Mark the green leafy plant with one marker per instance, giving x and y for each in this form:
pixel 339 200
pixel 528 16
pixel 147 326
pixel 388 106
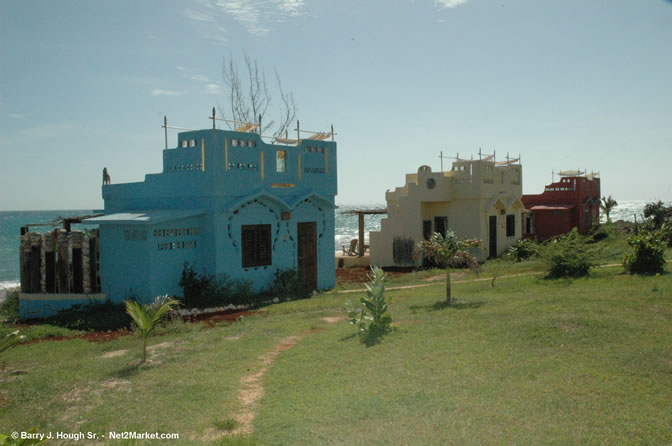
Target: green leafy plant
pixel 10 305
pixel 203 290
pixel 288 284
pixel 146 317
pixel 658 213
pixel 666 233
pixel 200 290
pixel 646 254
pixel 449 251
pixel 10 341
pixel 369 316
pixel 523 249
pixel 95 316
pixel 566 256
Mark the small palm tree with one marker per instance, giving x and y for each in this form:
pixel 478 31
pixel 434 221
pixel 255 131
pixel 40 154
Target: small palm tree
pixel 607 204
pixel 449 251
pixel 147 316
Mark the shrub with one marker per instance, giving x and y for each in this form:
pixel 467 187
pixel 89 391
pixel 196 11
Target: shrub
pixel 199 290
pixel 658 213
pixel 202 290
pixel 10 306
pixel 369 316
pixel 646 255
pixel 598 232
pixel 94 316
pixel 522 250
pixel 666 233
pixel 288 284
pixel 566 256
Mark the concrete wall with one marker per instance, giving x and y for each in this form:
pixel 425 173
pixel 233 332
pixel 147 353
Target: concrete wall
pixel 467 195
pixel 578 193
pixel 236 179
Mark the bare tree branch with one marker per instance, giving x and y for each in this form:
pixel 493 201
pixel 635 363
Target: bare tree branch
pixel 248 102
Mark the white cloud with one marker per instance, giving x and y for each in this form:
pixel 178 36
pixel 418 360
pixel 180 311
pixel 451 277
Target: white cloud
pixel 16 116
pixel 449 3
pixel 159 92
pixel 247 13
pixel 256 16
pixel 199 78
pixel 199 16
pixel 213 89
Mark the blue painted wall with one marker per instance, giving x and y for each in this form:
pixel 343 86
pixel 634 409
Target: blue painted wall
pixel 227 179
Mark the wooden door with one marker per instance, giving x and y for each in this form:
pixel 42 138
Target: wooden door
pixel 307 253
pixel 492 236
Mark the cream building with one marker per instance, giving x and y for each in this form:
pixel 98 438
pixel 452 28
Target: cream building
pixel 477 199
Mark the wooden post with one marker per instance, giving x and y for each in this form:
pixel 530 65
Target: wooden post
pixel 63 262
pixel 362 249
pixel 332 132
pixel 213 118
pixel 298 132
pixel 259 124
pixel 165 126
pixel 22 261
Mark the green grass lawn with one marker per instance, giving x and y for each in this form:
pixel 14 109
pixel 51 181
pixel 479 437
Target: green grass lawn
pixel 526 361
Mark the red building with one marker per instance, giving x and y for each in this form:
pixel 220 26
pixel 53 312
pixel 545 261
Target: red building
pixel 572 202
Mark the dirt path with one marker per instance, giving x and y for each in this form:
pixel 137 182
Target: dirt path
pixel 252 386
pixel 441 277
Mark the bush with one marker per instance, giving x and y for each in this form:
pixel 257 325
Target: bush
pixel 646 255
pixel 598 232
pixel 288 284
pixel 658 213
pixel 199 290
pixel 202 290
pixel 522 250
pixel 666 233
pixel 566 256
pixel 94 316
pixel 10 306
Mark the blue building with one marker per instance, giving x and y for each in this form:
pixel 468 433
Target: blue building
pixel 228 203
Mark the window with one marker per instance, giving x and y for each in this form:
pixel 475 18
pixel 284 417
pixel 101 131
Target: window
pixel 441 225
pixel 280 156
pixel 256 245
pixel 511 225
pixel 184 143
pixel 234 143
pixel 192 143
pixel 427 229
pixel 243 143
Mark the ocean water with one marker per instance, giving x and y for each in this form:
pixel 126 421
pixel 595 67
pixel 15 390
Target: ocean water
pixel 346 229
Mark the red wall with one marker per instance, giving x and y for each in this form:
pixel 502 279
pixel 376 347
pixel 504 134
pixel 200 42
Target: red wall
pixel 579 193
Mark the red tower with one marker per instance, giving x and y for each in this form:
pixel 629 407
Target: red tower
pixel 572 202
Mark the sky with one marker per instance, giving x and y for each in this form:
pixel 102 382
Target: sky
pixel 568 84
